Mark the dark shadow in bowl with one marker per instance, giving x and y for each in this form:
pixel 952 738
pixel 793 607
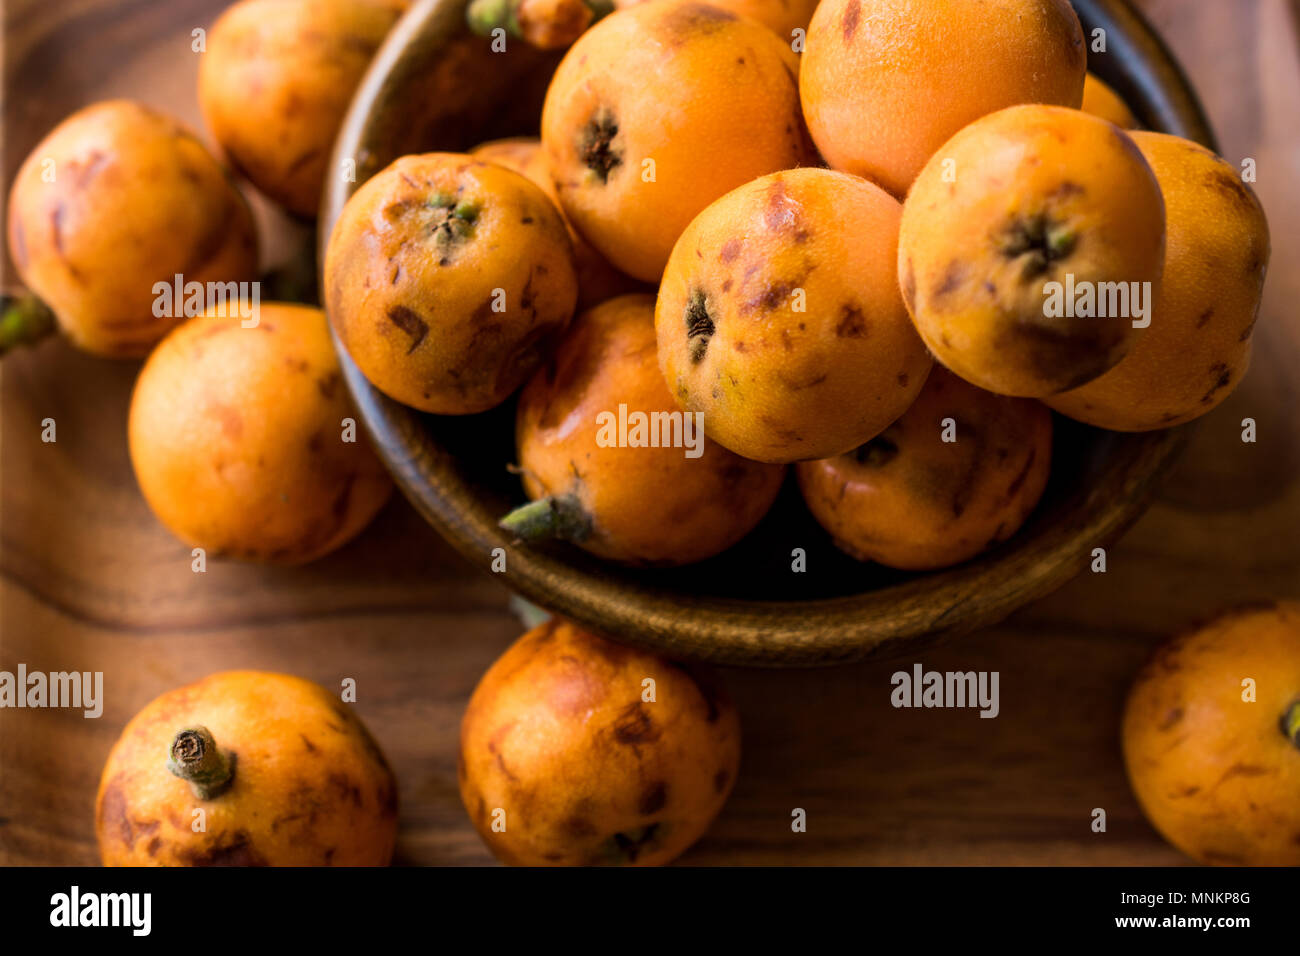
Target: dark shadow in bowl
pixel 434 86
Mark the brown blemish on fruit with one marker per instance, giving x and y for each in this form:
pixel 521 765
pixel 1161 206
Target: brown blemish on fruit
pixel 1222 376
pixel 576 826
pixel 953 277
pixel 232 424
pixel 695 18
pixel 1174 715
pixel 235 849
pixel 112 807
pixel 1243 770
pixel 769 298
pixel 852 324
pixel 653 799
pixel 902 380
pixel 730 249
pixel 1204 318
pixel 909 287
pixel 409 322
pixel 634 726
pixel 852 14
pixel 720 780
pixel 328 384
pixel 1227 184
pixel 311 747
pixel 782 213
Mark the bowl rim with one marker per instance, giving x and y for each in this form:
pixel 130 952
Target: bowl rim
pixel 799 633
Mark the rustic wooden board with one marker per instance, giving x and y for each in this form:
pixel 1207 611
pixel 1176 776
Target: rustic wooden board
pixel 89 581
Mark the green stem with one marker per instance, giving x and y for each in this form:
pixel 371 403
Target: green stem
pixel 1291 722
pixel 195 757
pixel 24 320
pixel 556 516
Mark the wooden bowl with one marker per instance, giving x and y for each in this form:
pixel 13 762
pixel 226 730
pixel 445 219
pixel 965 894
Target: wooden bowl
pixel 434 86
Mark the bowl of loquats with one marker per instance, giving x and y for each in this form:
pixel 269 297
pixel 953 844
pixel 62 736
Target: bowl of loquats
pixel 783 334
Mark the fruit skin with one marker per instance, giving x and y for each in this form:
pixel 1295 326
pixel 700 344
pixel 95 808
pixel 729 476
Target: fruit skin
pixel 236 437
pixel 1215 774
pixel 412 275
pixel 776 384
pixel 1198 347
pixel 557 735
pixel 885 83
pixel 310 785
pixel 647 506
pixel 782 17
pixel 597 279
pixel 1041 193
pixel 909 500
pixel 136 199
pixel 709 97
pixel 275 83
pixel 1100 100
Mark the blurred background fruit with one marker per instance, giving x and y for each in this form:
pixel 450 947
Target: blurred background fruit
pixel 116 198
pixel 1212 738
pixel 275 81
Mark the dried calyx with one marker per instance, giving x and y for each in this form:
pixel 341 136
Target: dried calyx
pixel 1040 241
pixel 699 325
pixel 596 145
pixel 452 221
pixel 1290 722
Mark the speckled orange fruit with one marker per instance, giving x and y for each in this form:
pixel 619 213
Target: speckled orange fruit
pixel 275 81
pixel 605 486
pixel 1212 738
pixel 1042 210
pixel 116 199
pixel 657 111
pixel 909 499
pixel 576 751
pixel 448 280
pixel 1100 100
pixel 240 438
pixel 1198 347
pixel 779 317
pixel 283 772
pixel 886 82
pixel 597 279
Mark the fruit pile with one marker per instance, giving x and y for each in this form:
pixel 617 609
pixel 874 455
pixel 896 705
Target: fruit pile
pixel 819 220
pixel 879 240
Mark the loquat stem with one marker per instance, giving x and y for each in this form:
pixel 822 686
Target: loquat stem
pixel 194 756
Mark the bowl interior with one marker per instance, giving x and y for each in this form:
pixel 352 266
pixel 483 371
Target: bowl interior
pixel 436 87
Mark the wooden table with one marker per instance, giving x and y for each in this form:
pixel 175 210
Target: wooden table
pixel 89 581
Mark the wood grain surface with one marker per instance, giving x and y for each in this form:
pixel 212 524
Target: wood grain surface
pixel 89 581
